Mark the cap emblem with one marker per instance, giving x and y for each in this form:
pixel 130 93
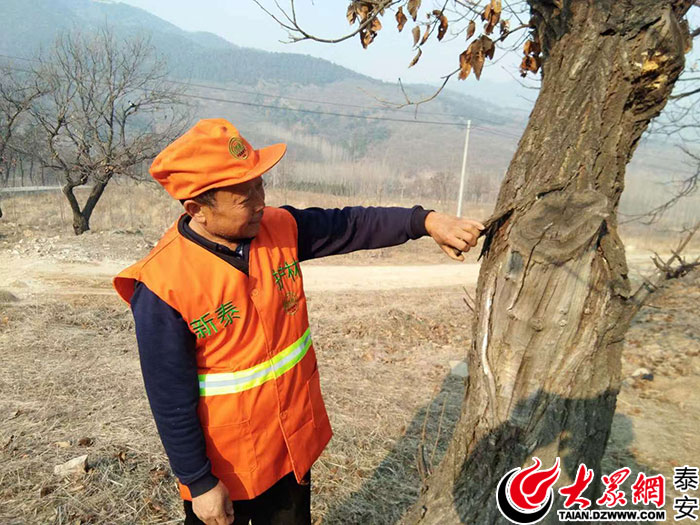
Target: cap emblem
pixel 237 148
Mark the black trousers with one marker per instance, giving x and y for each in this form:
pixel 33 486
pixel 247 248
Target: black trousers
pixel 285 503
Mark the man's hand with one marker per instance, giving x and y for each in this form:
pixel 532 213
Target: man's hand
pixel 453 235
pixel 214 507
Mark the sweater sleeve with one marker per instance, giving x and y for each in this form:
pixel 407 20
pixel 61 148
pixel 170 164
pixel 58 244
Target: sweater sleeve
pixel 323 232
pixel 169 368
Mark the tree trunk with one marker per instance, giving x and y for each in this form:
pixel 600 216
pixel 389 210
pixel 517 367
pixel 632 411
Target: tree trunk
pixel 81 218
pixel 98 189
pixel 553 299
pixel 80 224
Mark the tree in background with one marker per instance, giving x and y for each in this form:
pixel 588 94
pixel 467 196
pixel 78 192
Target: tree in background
pixel 104 107
pixel 553 300
pixel 16 96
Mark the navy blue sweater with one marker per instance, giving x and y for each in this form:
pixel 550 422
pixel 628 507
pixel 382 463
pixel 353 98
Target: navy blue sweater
pixel 167 346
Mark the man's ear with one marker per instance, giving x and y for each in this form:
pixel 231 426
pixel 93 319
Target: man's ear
pixel 194 210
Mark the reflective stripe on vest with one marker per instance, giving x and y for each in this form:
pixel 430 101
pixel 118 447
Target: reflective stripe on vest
pixel 234 382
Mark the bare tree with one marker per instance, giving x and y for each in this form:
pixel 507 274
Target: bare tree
pixel 16 96
pixel 554 299
pixel 106 107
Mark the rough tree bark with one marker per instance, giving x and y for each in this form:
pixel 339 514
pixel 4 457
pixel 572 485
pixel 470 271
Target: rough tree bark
pixel 553 299
pixel 81 217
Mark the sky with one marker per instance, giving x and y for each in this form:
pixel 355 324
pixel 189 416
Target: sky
pixel 243 23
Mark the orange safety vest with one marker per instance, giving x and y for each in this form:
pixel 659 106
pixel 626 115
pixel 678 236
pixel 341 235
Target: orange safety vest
pixel 260 402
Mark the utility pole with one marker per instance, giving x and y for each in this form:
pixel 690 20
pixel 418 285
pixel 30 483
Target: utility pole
pixel 464 170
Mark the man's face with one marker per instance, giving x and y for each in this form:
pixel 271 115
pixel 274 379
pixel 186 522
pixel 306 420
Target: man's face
pixel 237 211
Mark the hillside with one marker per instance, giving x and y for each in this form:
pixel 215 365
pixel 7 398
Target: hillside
pixel 29 25
pixel 302 100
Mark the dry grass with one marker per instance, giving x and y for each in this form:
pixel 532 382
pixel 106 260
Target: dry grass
pixel 143 211
pixel 70 371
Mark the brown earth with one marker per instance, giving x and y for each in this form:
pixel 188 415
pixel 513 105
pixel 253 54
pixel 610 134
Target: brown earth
pixel 71 382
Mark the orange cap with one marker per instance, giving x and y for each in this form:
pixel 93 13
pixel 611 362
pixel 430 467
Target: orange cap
pixel 212 154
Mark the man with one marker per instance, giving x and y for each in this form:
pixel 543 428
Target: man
pixel 222 327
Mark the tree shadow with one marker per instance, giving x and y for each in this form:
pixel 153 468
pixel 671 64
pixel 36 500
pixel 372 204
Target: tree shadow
pixel 383 500
pixel 395 484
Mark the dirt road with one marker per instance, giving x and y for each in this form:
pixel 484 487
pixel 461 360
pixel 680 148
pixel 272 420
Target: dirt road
pixel 24 275
pixel 72 377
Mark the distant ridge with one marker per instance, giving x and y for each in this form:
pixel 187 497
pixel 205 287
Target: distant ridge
pixel 28 25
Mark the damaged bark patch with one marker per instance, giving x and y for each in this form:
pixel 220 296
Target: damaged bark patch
pixel 492 227
pixel 559 225
pixel 613 252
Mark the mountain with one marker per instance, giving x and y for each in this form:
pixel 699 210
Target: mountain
pixel 292 97
pixel 281 96
pixel 30 24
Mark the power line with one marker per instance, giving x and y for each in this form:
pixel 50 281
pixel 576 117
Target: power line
pixel 305 110
pixel 318 112
pixel 271 95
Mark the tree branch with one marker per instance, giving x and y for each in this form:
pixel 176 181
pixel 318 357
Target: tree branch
pixel 292 26
pixel 666 271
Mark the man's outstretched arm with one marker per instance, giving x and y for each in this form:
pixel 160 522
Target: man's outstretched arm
pixel 324 232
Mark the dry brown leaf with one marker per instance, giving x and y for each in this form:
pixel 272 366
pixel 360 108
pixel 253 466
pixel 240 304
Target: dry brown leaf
pixel 505 27
pixel 351 14
pixel 465 65
pixel 492 15
pixel 46 490
pixel 529 63
pixel 486 14
pixel 443 27
pixel 526 47
pixel 471 29
pixel 413 6
pixel 362 10
pixel 400 18
pixel 366 37
pixel 491 24
pixel 488 46
pixel 425 35
pixel 477 57
pixel 376 25
pixel 415 58
pixel 523 68
pixel 159 474
pixel 416 35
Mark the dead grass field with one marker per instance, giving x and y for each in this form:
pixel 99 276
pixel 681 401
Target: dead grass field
pixel 71 383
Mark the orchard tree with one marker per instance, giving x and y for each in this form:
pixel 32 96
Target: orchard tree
pixel 16 96
pixel 554 300
pixel 106 107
